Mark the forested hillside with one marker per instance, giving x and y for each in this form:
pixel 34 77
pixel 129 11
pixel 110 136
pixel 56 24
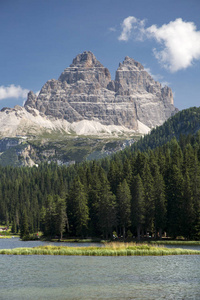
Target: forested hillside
pixel 143 192
pixel 185 122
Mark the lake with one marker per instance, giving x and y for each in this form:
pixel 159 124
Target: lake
pixel 17 243
pixel 72 277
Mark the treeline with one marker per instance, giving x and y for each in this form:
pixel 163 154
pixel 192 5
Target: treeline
pixel 140 192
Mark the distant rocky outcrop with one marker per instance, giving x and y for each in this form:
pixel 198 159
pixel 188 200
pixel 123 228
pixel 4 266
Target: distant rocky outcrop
pixel 84 92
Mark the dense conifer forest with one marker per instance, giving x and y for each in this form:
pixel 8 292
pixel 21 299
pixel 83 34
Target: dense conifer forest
pixel 185 122
pixel 135 192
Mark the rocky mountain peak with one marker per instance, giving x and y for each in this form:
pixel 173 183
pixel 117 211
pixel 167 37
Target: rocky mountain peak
pixel 85 92
pixel 85 67
pixel 31 98
pixel 130 64
pixel 86 60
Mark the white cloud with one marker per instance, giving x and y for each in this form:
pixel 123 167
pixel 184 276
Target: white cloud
pixel 131 25
pixel 112 29
pixel 126 28
pixel 12 91
pixel 179 41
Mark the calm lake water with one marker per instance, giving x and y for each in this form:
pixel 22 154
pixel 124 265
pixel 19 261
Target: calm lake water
pixel 71 277
pixel 17 243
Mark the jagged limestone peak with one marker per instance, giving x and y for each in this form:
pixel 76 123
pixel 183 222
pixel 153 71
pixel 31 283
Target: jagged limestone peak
pixel 130 64
pixel 85 67
pixel 86 60
pixel 85 92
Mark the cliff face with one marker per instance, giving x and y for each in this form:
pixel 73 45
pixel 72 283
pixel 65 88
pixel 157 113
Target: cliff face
pixel 85 91
pixel 85 101
pixel 153 103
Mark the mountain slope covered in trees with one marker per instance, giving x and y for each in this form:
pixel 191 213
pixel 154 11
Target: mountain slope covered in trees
pixel 185 122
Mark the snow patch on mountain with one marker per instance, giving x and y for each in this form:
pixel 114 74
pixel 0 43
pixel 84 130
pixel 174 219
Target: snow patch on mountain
pixel 142 128
pixel 19 121
pixel 86 127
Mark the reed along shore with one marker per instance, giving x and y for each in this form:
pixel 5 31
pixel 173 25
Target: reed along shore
pixel 109 249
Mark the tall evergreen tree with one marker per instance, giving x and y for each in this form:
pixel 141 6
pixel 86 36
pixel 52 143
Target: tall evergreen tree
pixel 187 208
pixel 94 191
pixel 115 175
pixel 106 208
pixel 174 188
pixel 61 215
pixel 124 205
pixel 48 217
pixel 149 204
pixel 195 186
pixel 127 171
pixel 79 206
pixel 138 210
pixel 24 227
pixel 160 203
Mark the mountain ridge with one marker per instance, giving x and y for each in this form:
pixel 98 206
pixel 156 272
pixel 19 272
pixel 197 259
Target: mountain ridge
pixel 85 91
pixel 132 103
pixel 84 114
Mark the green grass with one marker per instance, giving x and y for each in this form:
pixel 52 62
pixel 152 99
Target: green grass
pixel 174 242
pixel 75 240
pixel 109 249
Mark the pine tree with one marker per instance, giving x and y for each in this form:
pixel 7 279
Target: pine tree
pixel 79 205
pixel 149 203
pixel 114 175
pixel 14 227
pixel 48 217
pixel 188 208
pixel 106 208
pixel 174 188
pixel 176 153
pixel 160 202
pixel 127 171
pixel 61 215
pixel 124 205
pixel 94 190
pixel 24 228
pixel 138 210
pixel 195 186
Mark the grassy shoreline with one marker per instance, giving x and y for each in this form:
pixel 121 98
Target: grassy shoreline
pixel 175 242
pixel 150 242
pixel 7 236
pixel 109 249
pixel 97 240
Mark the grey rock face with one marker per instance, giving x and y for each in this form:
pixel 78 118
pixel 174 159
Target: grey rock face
pixel 153 103
pixel 85 91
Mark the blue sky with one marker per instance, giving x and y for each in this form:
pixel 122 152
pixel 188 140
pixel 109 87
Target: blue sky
pixel 40 38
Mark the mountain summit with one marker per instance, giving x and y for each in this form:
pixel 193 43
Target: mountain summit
pixel 85 100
